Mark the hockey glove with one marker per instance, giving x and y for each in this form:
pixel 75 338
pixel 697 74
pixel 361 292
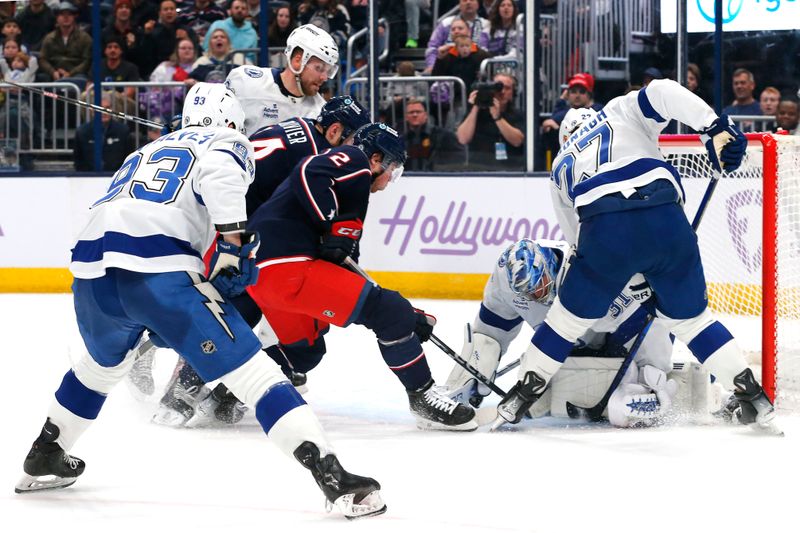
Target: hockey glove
pixel 424 326
pixel 233 268
pixel 725 144
pixel 342 241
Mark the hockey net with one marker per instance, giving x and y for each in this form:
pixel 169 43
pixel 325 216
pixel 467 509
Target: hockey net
pixel 750 245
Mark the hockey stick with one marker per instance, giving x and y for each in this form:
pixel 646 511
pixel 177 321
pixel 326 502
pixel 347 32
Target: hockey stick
pixel 508 368
pixel 595 413
pixel 81 103
pixel 355 267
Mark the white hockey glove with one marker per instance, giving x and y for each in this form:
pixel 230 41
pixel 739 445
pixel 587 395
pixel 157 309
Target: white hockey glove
pixel 483 353
pixel 644 403
pixel 725 143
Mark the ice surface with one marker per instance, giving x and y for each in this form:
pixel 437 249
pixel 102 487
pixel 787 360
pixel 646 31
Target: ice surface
pixel 542 476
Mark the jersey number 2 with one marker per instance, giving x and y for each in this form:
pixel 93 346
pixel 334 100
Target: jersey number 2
pixel 564 172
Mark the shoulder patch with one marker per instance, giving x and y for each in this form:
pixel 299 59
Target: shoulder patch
pixel 253 72
pixel 240 150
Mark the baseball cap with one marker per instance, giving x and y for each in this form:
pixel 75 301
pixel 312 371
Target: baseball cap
pixel 584 80
pixel 66 6
pixel 653 73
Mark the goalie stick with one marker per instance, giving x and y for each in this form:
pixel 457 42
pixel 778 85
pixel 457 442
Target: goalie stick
pixel 595 413
pixel 81 103
pixel 355 267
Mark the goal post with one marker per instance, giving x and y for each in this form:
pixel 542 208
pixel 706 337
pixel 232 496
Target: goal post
pixel 750 246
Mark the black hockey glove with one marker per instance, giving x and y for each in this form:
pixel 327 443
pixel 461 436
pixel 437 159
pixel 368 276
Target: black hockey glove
pixel 424 326
pixel 342 241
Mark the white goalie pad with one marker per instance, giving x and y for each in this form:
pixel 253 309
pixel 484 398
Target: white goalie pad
pixel 696 395
pixel 483 353
pixel 581 381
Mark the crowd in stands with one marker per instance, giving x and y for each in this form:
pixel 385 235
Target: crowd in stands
pixel 176 43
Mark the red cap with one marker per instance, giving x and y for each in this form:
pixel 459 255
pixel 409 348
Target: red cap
pixel 584 80
pixel 119 3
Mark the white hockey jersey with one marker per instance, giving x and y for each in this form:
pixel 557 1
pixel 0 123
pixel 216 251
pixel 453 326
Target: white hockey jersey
pixel 165 202
pixel 265 100
pixel 618 149
pixel 505 308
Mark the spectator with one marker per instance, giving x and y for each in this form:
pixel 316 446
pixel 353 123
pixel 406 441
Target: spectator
pixel 768 101
pixel 651 74
pixel 16 114
pixel 121 27
pixel 199 16
pixel 693 80
pixel 36 21
pixel 160 37
pixel 116 142
pixel 788 117
pixel 210 67
pixel 20 68
pixel 329 15
pixel 485 7
pixel 579 93
pixel 743 86
pixel 11 30
pixel 280 27
pixel 468 12
pixel 429 147
pixel 499 141
pixel 143 12
pixel 66 51
pixel 163 103
pixel 394 98
pixel 240 31
pixel 463 61
pixel 116 69
pixel 413 7
pixel 503 36
pixel 11 48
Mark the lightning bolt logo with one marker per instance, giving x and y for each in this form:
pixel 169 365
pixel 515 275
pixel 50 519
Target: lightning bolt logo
pixel 213 301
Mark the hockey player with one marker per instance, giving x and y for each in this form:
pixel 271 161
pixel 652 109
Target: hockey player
pixel 315 220
pixel 270 95
pixel 278 149
pixel 521 289
pixel 137 265
pixel 628 201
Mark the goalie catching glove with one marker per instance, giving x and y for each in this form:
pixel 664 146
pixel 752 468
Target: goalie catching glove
pixel 725 143
pixel 642 403
pixel 233 267
pixel 341 241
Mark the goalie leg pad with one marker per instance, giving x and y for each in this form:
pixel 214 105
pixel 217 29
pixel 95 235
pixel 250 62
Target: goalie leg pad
pixel 483 353
pixel 582 381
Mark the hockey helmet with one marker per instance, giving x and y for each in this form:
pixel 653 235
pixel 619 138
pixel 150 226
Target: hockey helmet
pixel 347 111
pixel 315 42
pixel 378 137
pixel 212 105
pixel 531 270
pixel 572 121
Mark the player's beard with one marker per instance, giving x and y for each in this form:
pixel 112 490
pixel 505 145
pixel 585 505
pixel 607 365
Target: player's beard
pixel 308 89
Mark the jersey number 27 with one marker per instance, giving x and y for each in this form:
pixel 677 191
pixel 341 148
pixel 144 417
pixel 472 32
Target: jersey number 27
pixel 564 172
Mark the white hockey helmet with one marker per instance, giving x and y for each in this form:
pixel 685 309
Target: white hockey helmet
pixel 212 105
pixel 573 120
pixel 315 42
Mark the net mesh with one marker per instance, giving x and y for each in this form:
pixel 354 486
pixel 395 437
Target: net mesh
pixel 731 245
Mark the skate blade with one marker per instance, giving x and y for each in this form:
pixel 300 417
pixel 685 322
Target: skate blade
pixel 40 483
pixel 169 417
pixel 370 505
pixel 768 428
pixel 430 425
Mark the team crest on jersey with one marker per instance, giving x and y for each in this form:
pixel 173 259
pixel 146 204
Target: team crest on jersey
pixel 271 112
pixel 240 150
pixel 208 347
pixel 253 72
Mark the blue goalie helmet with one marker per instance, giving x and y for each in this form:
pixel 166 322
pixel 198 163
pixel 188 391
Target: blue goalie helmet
pixel 531 270
pixel 347 111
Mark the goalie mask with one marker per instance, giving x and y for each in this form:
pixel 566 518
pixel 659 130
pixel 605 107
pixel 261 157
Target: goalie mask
pixel 212 105
pixel 573 120
pixel 531 270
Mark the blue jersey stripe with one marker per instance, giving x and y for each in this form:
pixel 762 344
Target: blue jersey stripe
pixel 496 321
pixel 647 107
pixel 633 170
pixel 149 246
pixel 235 157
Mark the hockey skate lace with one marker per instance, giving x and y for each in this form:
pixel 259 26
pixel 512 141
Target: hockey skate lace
pixel 436 400
pixel 71 461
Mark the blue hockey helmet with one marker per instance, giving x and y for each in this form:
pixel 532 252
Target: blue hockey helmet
pixel 378 137
pixel 345 110
pixel 531 270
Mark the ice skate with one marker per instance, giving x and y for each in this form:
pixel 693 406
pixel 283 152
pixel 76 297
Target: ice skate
pixel 355 496
pixel 755 409
pixel 433 409
pixel 185 390
pixel 519 399
pixel 219 406
pixel 140 378
pixel 299 381
pixel 47 465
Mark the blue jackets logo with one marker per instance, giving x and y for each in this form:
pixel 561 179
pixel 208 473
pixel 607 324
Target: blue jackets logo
pixel 730 9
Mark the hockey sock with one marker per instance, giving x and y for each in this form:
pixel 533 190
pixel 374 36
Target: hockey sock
pixel 406 358
pixel 74 409
pixel 717 350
